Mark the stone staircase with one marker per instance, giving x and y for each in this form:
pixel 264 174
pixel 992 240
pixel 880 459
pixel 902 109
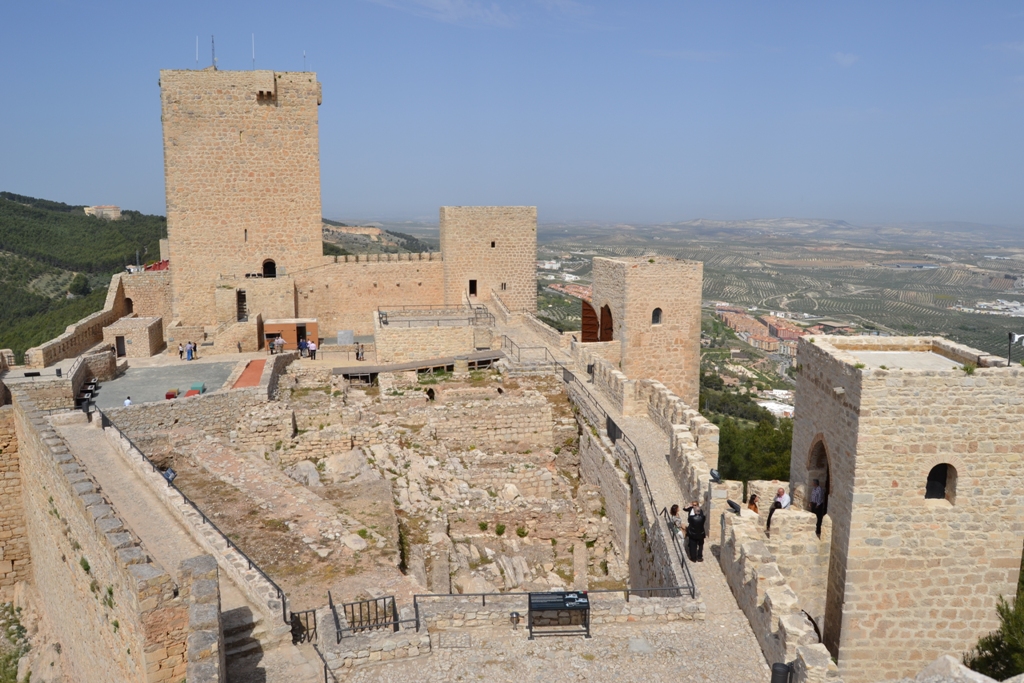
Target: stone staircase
pixel 245 634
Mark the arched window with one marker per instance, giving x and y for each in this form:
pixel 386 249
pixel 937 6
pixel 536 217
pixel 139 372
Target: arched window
pixel 269 268
pixel 656 316
pixel 605 333
pixel 941 483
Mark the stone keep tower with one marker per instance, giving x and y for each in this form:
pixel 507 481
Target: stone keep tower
pixel 242 173
pixel 922 462
pixel 651 306
pixel 490 248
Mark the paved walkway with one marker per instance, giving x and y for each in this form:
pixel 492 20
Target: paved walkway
pixel 151 382
pixel 250 377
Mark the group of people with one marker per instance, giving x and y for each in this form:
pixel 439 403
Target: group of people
pixel 782 501
pixel 188 351
pixel 360 352
pixel 307 348
pixel 695 529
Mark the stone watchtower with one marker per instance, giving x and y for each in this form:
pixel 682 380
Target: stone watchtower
pixel 651 306
pixel 922 463
pixel 490 248
pixel 242 173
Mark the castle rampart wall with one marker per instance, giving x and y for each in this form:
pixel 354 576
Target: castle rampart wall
pixel 150 292
pixel 15 562
pixel 116 614
pixel 345 295
pixel 397 343
pixel 82 335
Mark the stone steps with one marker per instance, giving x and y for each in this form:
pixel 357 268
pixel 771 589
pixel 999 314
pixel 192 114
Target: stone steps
pixel 244 633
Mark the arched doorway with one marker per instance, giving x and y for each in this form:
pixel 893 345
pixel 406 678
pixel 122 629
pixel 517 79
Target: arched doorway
pixel 817 468
pixel 606 324
pixel 129 306
pixel 589 328
pixel 269 268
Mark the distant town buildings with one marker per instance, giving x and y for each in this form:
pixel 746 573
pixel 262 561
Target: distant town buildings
pixel 584 292
pixel 108 211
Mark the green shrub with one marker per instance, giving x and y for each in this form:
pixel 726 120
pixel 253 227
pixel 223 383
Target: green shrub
pixel 85 565
pixel 500 529
pixel 1000 654
pixel 483 526
pixel 521 532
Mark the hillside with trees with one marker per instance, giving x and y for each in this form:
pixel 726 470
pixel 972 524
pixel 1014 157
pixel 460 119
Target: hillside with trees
pixel 56 262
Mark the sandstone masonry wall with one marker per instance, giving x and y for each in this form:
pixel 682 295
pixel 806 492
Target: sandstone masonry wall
pixel 15 563
pixel 398 344
pixel 150 293
pixel 670 349
pixel 494 424
pixel 912 578
pixel 346 295
pixel 117 615
pixel 598 466
pixel 242 170
pixel 494 245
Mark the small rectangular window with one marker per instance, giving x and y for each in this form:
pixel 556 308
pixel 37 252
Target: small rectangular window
pixel 492 245
pixel 472 287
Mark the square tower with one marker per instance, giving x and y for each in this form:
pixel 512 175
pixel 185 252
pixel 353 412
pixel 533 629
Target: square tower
pixel 242 174
pixel 490 248
pixel 651 306
pixel 921 460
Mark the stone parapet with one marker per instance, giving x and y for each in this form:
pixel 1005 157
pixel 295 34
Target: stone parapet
pixel 15 561
pixel 128 620
pixel 770 604
pixel 205 643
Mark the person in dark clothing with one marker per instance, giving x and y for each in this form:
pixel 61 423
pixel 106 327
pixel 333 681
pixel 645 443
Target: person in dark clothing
pixel 818 504
pixel 696 530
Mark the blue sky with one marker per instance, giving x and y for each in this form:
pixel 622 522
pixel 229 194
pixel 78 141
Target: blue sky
pixel 602 111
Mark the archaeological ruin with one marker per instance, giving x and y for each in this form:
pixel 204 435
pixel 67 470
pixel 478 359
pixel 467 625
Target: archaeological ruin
pixel 341 519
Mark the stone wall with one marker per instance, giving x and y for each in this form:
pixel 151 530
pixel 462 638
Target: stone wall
pixel 118 616
pixel 606 608
pixel 345 295
pixel 494 245
pixel 549 334
pixel 15 564
pixel 669 349
pixel 143 337
pixel 668 411
pixel 205 654
pixel 397 343
pixel 802 556
pixel 529 473
pixel 497 423
pixel 911 578
pixel 607 379
pixel 150 293
pixel 599 467
pixel 242 172
pixel 82 335
pixel 771 606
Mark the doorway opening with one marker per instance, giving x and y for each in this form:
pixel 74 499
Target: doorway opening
pixel 589 327
pixel 269 268
pixel 606 324
pixel 241 306
pixel 129 306
pixel 472 287
pixel 119 343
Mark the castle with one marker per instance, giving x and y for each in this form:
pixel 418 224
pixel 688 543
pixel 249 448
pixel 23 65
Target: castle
pixel 917 441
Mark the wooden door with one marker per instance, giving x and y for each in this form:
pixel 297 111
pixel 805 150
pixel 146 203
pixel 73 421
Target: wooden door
pixel 606 324
pixel 589 329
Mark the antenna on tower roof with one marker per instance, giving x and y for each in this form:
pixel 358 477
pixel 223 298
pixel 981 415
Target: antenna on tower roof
pixel 303 60
pixel 197 52
pixel 213 53
pixel 254 52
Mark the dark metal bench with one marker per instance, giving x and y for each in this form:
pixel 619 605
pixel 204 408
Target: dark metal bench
pixel 566 612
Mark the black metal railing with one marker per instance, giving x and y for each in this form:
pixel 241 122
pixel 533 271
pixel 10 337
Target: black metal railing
pixel 376 614
pixel 327 669
pixel 304 626
pixel 106 422
pixel 676 533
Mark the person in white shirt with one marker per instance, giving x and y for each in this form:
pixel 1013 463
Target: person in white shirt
pixel 782 501
pixel 311 348
pixel 127 401
pixel 818 504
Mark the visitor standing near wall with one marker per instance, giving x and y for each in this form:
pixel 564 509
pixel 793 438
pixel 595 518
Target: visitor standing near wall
pixel 675 521
pixel 127 401
pixel 303 346
pixel 312 350
pixel 181 352
pixel 695 532
pixel 782 501
pixel 752 503
pixel 818 504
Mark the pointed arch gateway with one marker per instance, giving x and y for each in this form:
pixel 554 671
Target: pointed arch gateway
pixel 589 328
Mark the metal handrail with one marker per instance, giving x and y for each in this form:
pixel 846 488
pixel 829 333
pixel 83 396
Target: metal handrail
pixel 327 669
pixel 679 552
pixel 107 422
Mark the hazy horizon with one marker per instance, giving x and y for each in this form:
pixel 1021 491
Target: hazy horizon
pixel 649 113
